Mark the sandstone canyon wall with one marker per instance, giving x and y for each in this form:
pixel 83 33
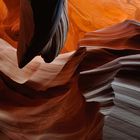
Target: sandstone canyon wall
pixel 89 92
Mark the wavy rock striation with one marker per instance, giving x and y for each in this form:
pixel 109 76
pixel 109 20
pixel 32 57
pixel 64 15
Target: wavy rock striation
pixel 68 98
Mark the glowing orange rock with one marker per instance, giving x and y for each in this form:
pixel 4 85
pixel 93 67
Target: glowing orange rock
pixel 89 15
pixel 9 21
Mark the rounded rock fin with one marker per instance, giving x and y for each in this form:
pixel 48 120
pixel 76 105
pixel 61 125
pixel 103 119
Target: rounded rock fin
pixel 47 16
pixel 56 43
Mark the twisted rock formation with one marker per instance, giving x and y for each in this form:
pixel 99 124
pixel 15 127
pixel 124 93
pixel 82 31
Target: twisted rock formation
pixel 90 93
pixel 67 98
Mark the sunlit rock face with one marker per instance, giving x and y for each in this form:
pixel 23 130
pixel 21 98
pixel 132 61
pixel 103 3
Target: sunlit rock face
pixel 9 21
pixel 90 15
pixel 70 97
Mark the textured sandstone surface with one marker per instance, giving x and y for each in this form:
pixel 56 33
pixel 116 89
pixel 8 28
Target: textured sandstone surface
pixel 70 97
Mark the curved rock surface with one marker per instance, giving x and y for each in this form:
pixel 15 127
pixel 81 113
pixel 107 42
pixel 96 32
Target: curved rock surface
pixel 90 15
pixel 68 98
